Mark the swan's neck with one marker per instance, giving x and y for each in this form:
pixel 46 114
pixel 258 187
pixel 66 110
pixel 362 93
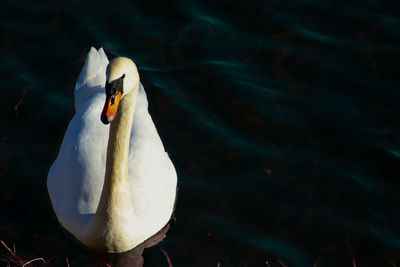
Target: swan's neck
pixel 115 192
pixel 115 209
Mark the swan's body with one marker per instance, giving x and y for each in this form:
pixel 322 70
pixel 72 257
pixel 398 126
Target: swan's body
pixel 111 210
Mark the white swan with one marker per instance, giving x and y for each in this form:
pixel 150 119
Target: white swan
pixel 111 186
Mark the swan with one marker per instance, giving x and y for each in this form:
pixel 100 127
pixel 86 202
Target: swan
pixel 112 185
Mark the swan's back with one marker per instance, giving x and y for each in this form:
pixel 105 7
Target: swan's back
pixel 76 178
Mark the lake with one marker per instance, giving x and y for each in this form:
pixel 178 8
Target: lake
pixel 281 118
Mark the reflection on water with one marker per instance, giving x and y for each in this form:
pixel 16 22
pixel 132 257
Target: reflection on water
pixel 132 258
pixel 280 117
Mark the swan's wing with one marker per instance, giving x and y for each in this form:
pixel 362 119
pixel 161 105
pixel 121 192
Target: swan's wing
pixel 152 175
pixel 92 77
pixel 76 177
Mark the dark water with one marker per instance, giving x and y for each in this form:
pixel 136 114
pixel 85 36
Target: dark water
pixel 281 117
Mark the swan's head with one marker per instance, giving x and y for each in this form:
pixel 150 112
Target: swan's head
pixel 122 78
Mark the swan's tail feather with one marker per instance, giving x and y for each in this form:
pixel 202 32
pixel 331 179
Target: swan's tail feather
pixel 103 57
pixel 90 64
pixel 92 76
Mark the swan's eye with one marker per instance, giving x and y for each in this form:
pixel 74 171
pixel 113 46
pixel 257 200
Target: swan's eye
pixel 112 88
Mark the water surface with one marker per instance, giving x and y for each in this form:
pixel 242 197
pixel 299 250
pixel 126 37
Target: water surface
pixel 281 119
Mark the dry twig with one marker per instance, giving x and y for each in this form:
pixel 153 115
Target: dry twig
pixel 17 259
pixel 19 103
pixel 167 257
pixel 282 263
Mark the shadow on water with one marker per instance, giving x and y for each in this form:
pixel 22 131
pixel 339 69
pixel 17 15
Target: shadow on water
pixel 281 119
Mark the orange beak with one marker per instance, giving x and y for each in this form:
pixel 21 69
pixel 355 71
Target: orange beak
pixel 110 108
